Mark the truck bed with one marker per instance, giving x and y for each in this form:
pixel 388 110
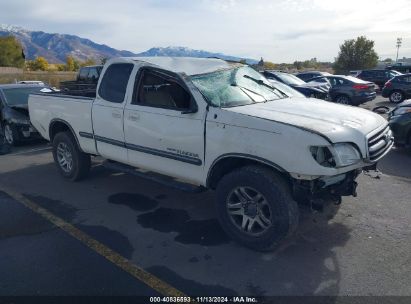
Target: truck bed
pixel 46 109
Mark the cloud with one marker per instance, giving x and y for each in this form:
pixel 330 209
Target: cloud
pixel 283 30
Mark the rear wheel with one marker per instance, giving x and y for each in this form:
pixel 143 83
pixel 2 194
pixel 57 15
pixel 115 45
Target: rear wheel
pixel 255 207
pixel 71 162
pixel 343 99
pixel 396 97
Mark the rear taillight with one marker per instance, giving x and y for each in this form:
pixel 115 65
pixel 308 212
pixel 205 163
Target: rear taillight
pixel 388 84
pixel 360 86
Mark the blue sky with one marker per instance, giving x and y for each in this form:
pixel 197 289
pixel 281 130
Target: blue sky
pixel 279 31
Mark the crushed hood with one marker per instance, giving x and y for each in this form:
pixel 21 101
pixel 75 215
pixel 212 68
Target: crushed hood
pixel 329 119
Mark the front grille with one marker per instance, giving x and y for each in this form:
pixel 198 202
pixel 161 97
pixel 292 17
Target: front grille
pixel 379 144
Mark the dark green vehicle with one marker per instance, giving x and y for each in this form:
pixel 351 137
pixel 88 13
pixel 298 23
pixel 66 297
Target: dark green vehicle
pixel 400 123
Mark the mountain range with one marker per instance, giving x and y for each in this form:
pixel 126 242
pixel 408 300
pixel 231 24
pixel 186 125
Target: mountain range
pixel 56 47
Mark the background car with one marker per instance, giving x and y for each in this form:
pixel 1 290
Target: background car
pixel 38 82
pixel 311 74
pixel 85 83
pixel 286 88
pixel 308 90
pixel 400 123
pixel 14 114
pixel 398 88
pixel 379 77
pixel 354 73
pixel 348 89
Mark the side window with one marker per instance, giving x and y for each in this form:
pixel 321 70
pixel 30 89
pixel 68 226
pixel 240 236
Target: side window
pixel 407 79
pixel 365 74
pixel 335 82
pixel 380 74
pixel 114 84
pixel 93 75
pixel 82 76
pixel 163 92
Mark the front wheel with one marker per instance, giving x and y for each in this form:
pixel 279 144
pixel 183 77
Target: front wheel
pixel 71 162
pixel 255 207
pixel 10 134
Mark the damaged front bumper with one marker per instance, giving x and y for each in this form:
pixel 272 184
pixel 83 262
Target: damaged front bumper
pixel 324 190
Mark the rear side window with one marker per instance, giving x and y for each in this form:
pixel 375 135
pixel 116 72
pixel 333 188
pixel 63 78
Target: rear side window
pixel 114 83
pixel 93 75
pixel 366 74
pixel 83 74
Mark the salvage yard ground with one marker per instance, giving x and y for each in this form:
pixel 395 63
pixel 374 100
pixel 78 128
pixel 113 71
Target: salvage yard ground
pixel 116 225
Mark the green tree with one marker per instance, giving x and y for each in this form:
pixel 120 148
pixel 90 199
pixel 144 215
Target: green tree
pixel 268 65
pixel 388 60
pixel 356 54
pixel 40 63
pixel 88 62
pixel 61 67
pixel 11 52
pixel 70 64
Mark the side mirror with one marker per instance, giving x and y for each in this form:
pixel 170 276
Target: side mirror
pixel 192 109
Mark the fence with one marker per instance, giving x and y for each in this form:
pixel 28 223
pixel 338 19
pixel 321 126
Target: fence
pixel 10 70
pixel 51 78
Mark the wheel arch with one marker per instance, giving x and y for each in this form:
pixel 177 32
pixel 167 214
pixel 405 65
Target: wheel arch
pixel 228 162
pixel 59 125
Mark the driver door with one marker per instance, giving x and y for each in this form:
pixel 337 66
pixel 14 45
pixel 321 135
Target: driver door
pixel 164 130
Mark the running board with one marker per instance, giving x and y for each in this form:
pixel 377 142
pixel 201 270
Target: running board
pixel 152 176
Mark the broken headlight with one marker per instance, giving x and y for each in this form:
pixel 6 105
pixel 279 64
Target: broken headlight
pixel 337 155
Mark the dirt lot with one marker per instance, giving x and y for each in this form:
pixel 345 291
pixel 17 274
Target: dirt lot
pixel 96 237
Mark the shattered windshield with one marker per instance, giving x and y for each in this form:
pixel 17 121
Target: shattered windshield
pixel 235 87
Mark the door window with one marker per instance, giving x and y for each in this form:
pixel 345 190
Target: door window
pixel 82 76
pixel 114 83
pixel 93 75
pixel 162 92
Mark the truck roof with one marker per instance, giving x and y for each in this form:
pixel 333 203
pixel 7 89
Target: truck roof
pixel 187 65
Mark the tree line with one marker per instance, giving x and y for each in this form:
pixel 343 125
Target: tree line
pixel 12 55
pixel 354 54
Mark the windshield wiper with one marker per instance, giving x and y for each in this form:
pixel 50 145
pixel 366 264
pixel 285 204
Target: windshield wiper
pixel 247 89
pixel 261 82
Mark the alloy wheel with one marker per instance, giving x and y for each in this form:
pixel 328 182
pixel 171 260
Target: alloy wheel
pixel 64 157
pixel 343 100
pixel 249 211
pixel 396 97
pixel 8 134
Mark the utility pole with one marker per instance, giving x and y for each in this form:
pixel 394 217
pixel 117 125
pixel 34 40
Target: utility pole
pixel 399 42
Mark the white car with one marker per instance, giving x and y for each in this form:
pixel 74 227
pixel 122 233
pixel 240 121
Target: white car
pixel 219 126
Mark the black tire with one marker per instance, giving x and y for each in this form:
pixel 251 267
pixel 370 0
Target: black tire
pixel 80 161
pixel 343 99
pixel 396 96
pixel 11 135
pixel 276 194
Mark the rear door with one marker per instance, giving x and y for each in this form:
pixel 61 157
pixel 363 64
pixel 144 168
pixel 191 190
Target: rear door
pixel 406 85
pixel 108 110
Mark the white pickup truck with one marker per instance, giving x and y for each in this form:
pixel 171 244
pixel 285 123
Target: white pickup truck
pixel 221 126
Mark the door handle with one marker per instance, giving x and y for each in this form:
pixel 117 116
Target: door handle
pixel 134 117
pixel 116 114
